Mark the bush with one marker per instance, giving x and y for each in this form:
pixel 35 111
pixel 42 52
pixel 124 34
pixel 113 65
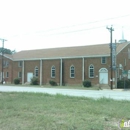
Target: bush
pixel 16 81
pixel 34 81
pixel 86 83
pixel 123 84
pixel 52 83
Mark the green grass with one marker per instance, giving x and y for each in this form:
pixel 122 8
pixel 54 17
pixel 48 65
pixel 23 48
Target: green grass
pixel 36 111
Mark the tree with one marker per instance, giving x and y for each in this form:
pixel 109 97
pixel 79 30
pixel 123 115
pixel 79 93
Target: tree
pixel 6 51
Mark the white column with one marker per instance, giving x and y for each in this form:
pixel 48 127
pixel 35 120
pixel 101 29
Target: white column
pixel 23 72
pixel 83 69
pixel 40 72
pixel 61 72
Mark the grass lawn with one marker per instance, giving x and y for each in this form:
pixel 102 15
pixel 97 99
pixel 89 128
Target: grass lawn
pixel 36 111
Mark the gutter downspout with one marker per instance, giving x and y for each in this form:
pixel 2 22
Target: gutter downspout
pixel 61 72
pixel 23 73
pixel 40 72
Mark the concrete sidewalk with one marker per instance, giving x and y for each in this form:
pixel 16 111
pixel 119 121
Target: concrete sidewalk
pixel 117 94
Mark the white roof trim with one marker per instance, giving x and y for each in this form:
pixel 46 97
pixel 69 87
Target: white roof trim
pixel 6 56
pixel 73 57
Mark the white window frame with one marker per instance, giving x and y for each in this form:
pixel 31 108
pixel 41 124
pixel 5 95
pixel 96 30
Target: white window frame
pixel 7 74
pixel 53 71
pixel 72 71
pixel 36 72
pixel 90 69
pixel 102 59
pixel 20 74
pixel 19 63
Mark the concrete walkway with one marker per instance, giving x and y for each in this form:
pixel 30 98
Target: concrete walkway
pixel 114 94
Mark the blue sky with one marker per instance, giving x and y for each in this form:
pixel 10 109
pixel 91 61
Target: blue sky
pixel 36 24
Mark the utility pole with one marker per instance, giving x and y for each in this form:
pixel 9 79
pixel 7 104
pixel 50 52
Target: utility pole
pixel 111 48
pixel 3 40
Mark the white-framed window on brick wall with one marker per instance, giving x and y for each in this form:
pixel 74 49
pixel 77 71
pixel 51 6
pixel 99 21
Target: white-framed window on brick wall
pixel 53 71
pixel 72 71
pixel 36 71
pixel 20 74
pixel 91 71
pixel 103 60
pixel 19 63
pixel 7 74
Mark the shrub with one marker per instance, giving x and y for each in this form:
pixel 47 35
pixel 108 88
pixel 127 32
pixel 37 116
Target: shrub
pixel 52 83
pixel 86 83
pixel 123 84
pixel 16 81
pixel 34 81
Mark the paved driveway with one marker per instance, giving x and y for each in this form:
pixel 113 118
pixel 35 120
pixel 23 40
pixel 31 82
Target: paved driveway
pixel 115 94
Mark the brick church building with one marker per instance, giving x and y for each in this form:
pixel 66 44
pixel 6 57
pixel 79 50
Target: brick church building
pixel 67 65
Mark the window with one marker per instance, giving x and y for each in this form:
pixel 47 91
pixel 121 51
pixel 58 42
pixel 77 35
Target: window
pixel 36 71
pixel 7 74
pixel 5 63
pixel 53 71
pixel 103 60
pixel 72 72
pixel 128 74
pixel 91 71
pixel 19 74
pixel 20 64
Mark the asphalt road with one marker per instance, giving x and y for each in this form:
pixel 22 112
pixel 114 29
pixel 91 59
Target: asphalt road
pixel 114 94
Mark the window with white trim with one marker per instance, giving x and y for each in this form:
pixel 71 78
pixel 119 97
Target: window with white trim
pixel 36 71
pixel 20 64
pixel 7 74
pixel 19 74
pixel 103 60
pixel 91 71
pixel 5 63
pixel 72 71
pixel 53 72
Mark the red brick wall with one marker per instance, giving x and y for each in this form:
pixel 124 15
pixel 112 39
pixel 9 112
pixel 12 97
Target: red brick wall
pixel 121 57
pixel 77 63
pixel 8 69
pixel 96 62
pixel 46 74
pixel 16 69
pixel 29 66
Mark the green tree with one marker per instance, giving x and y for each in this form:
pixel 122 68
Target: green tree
pixel 6 51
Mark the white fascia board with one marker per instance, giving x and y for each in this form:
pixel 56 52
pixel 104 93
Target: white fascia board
pixel 56 58
pixel 6 57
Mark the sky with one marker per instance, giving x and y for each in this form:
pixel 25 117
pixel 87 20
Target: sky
pixel 39 24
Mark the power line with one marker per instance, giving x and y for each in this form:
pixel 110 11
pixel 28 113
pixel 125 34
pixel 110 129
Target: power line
pixel 92 22
pixel 75 31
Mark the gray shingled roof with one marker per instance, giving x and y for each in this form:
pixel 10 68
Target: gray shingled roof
pixel 66 52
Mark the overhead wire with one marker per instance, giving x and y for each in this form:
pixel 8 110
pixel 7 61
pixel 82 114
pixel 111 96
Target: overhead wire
pixel 71 26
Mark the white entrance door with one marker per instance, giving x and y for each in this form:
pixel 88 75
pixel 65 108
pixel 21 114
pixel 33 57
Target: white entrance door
pixel 29 76
pixel 103 76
